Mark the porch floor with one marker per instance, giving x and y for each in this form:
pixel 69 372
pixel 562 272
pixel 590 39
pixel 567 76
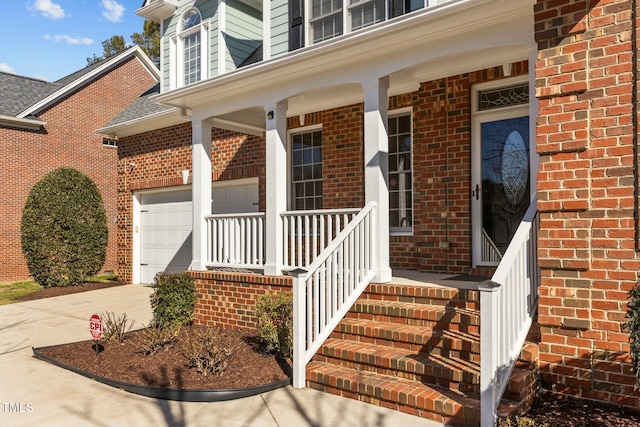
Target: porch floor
pixel 416 278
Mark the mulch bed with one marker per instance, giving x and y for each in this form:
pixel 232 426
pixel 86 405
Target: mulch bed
pixel 249 365
pixel 554 411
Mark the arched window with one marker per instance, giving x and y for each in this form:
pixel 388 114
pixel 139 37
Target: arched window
pixel 191 47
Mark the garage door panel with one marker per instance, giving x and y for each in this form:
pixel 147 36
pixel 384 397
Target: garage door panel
pixel 165 242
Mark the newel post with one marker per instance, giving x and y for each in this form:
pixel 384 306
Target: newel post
pixel 488 351
pixel 299 327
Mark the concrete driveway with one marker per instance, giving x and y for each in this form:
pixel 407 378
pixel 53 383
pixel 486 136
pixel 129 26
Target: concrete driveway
pixel 36 393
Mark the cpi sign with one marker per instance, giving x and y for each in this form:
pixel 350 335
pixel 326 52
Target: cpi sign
pixel 95 326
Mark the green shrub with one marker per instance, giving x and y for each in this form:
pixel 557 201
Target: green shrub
pixel 275 322
pixel 154 338
pixel 209 351
pixel 633 326
pixel 173 299
pixel 64 229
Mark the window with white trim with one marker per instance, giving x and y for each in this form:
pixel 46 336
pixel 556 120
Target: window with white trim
pixel 365 13
pixel 400 174
pixel 306 170
pixel 326 19
pixel 189 49
pixel 331 18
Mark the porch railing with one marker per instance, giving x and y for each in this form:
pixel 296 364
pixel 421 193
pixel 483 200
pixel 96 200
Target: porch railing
pixel 507 305
pixel 236 240
pixel 490 251
pixel 324 292
pixel 307 233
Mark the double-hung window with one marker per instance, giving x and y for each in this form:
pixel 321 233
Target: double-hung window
pixel 306 170
pixel 326 20
pixel 366 12
pixel 400 174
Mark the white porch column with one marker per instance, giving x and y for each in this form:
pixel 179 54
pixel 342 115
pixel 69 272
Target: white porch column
pixel 276 175
pixel 376 171
pixel 201 189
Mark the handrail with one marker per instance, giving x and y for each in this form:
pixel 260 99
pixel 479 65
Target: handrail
pixel 324 292
pixel 507 305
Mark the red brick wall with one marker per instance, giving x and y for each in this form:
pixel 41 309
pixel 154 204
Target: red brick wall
pixel 68 139
pixel 585 138
pixel 228 300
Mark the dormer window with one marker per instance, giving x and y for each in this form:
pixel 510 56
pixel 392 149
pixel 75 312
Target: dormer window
pixel 191 42
pixel 189 48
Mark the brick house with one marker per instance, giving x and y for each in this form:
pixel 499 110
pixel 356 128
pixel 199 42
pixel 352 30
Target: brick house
pixel 47 125
pixel 383 159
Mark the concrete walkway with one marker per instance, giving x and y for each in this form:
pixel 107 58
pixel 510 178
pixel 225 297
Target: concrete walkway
pixel 36 393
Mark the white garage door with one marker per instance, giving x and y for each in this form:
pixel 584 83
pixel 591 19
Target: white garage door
pixel 165 234
pixel 232 197
pixel 166 224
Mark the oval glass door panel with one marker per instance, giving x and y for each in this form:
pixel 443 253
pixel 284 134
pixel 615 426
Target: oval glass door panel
pixel 505 183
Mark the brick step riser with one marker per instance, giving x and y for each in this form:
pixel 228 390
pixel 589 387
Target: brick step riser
pixel 464 326
pixel 464 350
pixel 431 379
pixel 439 315
pixel 464 304
pixel 447 376
pixel 434 293
pixel 425 406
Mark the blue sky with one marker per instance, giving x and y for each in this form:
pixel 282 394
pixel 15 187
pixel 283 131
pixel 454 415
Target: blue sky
pixel 49 39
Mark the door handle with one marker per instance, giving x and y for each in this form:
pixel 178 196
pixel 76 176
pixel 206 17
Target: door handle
pixel 476 193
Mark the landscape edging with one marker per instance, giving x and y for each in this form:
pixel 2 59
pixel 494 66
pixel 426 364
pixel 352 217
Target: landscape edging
pixel 167 393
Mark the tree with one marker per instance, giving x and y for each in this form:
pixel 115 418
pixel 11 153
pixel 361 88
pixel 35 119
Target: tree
pixel 149 40
pixel 64 229
pixel 111 47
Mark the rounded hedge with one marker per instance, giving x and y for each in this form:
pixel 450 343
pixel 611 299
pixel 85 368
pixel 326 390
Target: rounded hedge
pixel 64 229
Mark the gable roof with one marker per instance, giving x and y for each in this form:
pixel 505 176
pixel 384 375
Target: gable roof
pixel 17 93
pixel 24 97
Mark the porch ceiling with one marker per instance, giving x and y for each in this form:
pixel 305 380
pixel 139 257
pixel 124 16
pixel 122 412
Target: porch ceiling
pixel 459 37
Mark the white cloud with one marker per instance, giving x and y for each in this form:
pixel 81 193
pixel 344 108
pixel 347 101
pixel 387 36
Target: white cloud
pixel 113 10
pixel 6 68
pixel 68 39
pixel 48 9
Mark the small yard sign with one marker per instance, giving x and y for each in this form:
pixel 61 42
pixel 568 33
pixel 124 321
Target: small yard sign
pixel 95 326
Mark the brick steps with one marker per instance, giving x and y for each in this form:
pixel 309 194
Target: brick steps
pixel 444 342
pixel 433 316
pixel 428 401
pixel 420 366
pixel 415 349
